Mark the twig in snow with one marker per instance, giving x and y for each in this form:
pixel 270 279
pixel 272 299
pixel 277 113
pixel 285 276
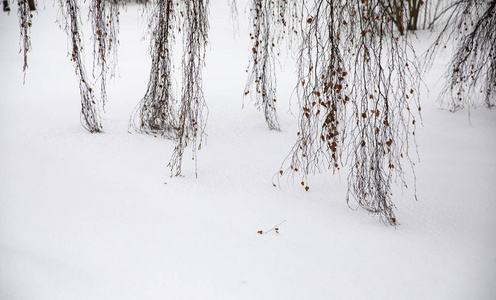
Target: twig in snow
pixel 275 228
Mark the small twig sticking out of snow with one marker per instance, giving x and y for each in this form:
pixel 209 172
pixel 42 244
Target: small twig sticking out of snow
pixel 275 228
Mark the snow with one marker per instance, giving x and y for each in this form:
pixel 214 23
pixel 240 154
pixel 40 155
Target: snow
pixel 97 216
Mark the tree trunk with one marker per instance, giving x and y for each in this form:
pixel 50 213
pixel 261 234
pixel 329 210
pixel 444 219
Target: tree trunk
pixel 6 6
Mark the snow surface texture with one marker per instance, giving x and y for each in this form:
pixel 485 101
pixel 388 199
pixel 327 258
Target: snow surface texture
pixel 96 216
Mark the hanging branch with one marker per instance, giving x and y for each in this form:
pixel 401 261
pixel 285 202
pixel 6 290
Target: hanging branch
pixel 385 86
pixel 356 87
pixel 321 77
pixel 262 77
pixel 155 113
pixel 191 123
pixel 104 15
pixel 474 62
pixel 90 117
pixel 234 14
pixel 271 22
pixel 472 68
pixel 25 21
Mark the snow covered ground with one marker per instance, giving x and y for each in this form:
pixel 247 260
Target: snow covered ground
pixel 97 216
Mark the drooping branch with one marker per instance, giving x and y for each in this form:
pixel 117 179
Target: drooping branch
pixel 234 14
pixel 357 89
pixel 90 111
pixel 25 21
pixel 273 22
pixel 261 72
pixel 321 77
pixel 384 85
pixel 474 61
pixel 471 76
pixel 104 15
pixel 155 113
pixel 192 119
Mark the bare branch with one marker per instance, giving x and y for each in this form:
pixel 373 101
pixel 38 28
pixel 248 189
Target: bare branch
pixel 191 122
pixel 90 112
pixel 104 15
pixel 357 87
pixel 265 16
pixel 25 22
pixel 155 113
